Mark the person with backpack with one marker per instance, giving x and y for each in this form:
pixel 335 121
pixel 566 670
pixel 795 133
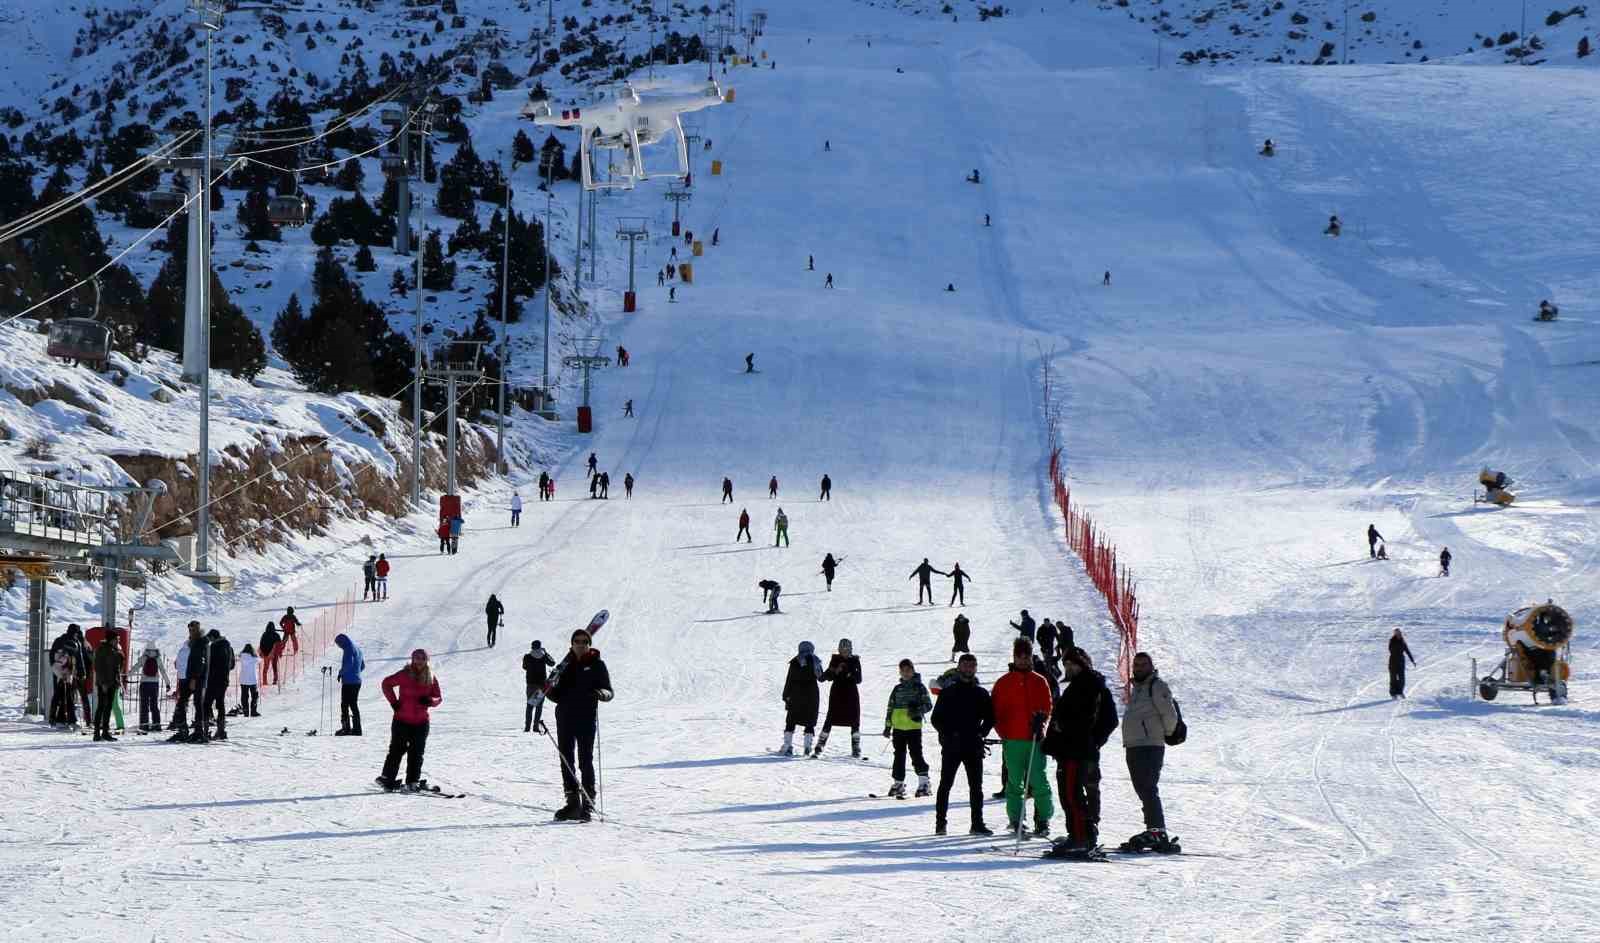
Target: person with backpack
pixel 922 573
pixel 382 569
pixel 495 613
pixel 153 677
pixel 584 685
pixel 963 717
pixel 219 665
pixel 1083 719
pixel 290 625
pixel 744 527
pixel 351 665
pixel 780 528
pixel 107 682
pixel 902 722
pixel 536 667
pixel 829 567
pixel 1021 708
pixel 249 682
pixel 369 578
pixel 844 698
pixel 411 692
pixel 1399 651
pixel 801 697
pixel 962 632
pixel 270 648
pixel 1150 719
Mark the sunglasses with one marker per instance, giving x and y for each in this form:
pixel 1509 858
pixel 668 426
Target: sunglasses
pixel 581 641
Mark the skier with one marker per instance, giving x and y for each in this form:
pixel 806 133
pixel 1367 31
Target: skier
pixel 544 486
pixel 909 703
pixel 959 578
pixel 744 527
pixel 974 178
pixel 270 648
pixel 351 665
pixel 456 524
pixel 594 464
pixel 578 693
pixel 661 276
pixel 829 566
pixel 152 678
pixel 594 487
pixel 772 487
pixel 844 698
pixel 1021 708
pixel 382 569
pixel 1080 724
pixel 922 573
pixel 827 489
pixel 369 578
pixel 749 363
pixel 962 630
pixel 829 282
pixel 780 528
pixel 1026 626
pixel 1334 226
pixel 826 145
pixel 1547 311
pixel 516 504
pixel 1106 279
pixel 107 681
pixel 249 682
pixel 494 612
pixel 1399 651
pixel 727 490
pixel 811 263
pixel 801 698
pixel 219 663
pixel 67 665
pixel 443 531
pixel 627 409
pixel 963 717
pixel 1150 716
pixel 1444 562
pixel 672 293
pixel 536 667
pixel 605 486
pixel 627 485
pixel 986 219
pixel 769 594
pixel 1372 540
pixel 289 624
pixel 411 692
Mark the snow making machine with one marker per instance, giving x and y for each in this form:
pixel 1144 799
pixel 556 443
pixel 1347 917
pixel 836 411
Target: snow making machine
pixel 1538 655
pixel 1494 488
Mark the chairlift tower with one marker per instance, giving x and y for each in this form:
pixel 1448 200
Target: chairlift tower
pixel 462 364
pixel 677 195
pixel 424 117
pixel 588 363
pixel 631 228
pixel 209 15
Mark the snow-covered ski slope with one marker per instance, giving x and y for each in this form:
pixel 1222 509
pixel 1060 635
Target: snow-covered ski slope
pixel 1242 401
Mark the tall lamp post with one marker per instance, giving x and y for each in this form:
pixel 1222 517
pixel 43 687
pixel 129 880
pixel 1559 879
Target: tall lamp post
pixel 208 14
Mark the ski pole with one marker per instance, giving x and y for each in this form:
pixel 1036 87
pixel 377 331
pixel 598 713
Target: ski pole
pixel 570 771
pixel 600 769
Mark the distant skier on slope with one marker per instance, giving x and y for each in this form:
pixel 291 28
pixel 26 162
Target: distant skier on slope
pixel 495 612
pixel 382 570
pixel 780 528
pixel 827 489
pixel 1372 540
pixel 536 665
pixel 923 575
pixel 844 698
pixel 627 485
pixel 772 487
pixel 769 594
pixel 1399 651
pixel 1334 226
pixel 958 577
pixel 369 577
pixel 744 527
pixel 801 697
pixel 1444 562
pixel 829 566
pixel 727 490
pixel 749 363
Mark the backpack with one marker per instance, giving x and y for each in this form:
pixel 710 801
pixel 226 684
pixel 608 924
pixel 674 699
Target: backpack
pixel 1105 721
pixel 1179 733
pixel 152 668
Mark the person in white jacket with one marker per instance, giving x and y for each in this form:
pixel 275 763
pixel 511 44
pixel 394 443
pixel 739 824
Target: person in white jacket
pixel 249 692
pixel 180 713
pixel 516 509
pixel 151 670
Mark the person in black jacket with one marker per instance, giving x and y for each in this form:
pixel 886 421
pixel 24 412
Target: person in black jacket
pixel 195 679
pixel 1444 562
pixel 1046 637
pixel 801 697
pixel 727 490
pixel 827 489
pixel 844 698
pixel 219 664
pixel 269 650
pixel 962 630
pixel 829 566
pixel 922 574
pixel 583 685
pixel 963 716
pixel 535 666
pixel 1026 626
pixel 1372 540
pixel 493 610
pixel 1399 651
pixel 1081 722
pixel 959 577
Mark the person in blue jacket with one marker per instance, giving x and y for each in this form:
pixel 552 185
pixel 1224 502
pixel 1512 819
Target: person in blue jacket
pixel 455 533
pixel 350 669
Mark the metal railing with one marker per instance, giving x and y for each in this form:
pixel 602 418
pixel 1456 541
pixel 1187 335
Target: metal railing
pixel 48 509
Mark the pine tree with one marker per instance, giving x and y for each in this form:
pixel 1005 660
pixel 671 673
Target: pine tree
pixel 290 336
pixel 253 218
pixel 455 193
pixel 350 176
pixel 399 285
pixel 236 344
pixel 438 273
pixel 364 260
pixel 522 148
pixel 344 342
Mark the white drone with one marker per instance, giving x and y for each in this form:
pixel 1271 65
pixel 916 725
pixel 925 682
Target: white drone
pixel 628 123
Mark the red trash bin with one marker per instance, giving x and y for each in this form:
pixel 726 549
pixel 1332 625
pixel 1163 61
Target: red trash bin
pixel 629 302
pixel 585 419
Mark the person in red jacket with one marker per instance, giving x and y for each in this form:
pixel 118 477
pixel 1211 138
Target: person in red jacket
pixel 411 691
pixel 443 530
pixel 744 527
pixel 289 624
pixel 1021 709
pixel 382 572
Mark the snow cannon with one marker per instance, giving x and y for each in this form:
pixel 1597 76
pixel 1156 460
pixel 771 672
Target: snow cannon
pixel 1538 655
pixel 1494 488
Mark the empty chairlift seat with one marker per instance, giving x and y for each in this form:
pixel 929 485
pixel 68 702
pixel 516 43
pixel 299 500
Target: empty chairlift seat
pixel 395 166
pixel 165 202
pixel 287 210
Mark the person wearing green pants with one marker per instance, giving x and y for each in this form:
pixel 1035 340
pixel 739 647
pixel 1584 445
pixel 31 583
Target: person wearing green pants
pixel 1021 709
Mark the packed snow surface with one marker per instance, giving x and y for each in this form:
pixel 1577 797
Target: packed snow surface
pixel 1236 407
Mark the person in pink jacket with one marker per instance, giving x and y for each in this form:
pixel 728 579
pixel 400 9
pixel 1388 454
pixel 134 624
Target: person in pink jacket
pixel 411 691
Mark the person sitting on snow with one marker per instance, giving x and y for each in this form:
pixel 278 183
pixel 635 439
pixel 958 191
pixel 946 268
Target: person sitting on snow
pixel 1333 226
pixel 1268 149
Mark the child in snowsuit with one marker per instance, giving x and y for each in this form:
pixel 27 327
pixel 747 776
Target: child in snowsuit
pixel 909 703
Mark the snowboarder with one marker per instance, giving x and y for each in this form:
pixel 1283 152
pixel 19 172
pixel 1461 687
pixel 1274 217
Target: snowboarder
pixel 369 577
pixel 627 485
pixel 1444 562
pixel 959 578
pixel 780 528
pixel 1334 226
pixel 962 632
pixel 1372 540
pixel 153 678
pixel 769 594
pixel 443 533
pixel 107 682
pixel 749 363
pixel 772 487
pixel 744 527
pixel 536 667
pixel 1149 718
pixel 382 570
pixel 270 648
pixel 1080 724
pixel 289 624
pixel 351 665
pixel 578 693
pixel 829 566
pixel 1021 707
pixel 1026 626
pixel 627 409
pixel 922 574
pixel 974 177
pixel 1399 651
pixel 908 704
pixel 219 664
pixel 827 489
pixel 605 486
pixel 411 692
pixel 249 682
pixel 1269 149
pixel 844 698
pixel 516 504
pixel 727 490
pixel 829 282
pixel 495 613
pixel 801 698
pixel 963 718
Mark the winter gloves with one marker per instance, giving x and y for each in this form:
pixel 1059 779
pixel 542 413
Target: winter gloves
pixel 603 694
pixel 1037 725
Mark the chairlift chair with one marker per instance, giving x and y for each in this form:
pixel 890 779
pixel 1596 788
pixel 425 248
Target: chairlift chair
pixel 393 117
pixel 165 202
pixel 82 339
pixel 395 166
pixel 288 210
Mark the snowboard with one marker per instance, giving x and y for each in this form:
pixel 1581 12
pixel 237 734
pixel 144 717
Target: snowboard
pixel 595 624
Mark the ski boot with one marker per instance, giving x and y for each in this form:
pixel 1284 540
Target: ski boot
pixel 939 827
pixel 569 812
pixel 585 811
pixel 1151 839
pixel 788 744
pixel 822 741
pixel 924 788
pixel 342 732
pixel 806 749
pixel 389 785
pixel 855 745
pixel 978 828
pixel 180 735
pixel 897 791
pixel 1041 828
